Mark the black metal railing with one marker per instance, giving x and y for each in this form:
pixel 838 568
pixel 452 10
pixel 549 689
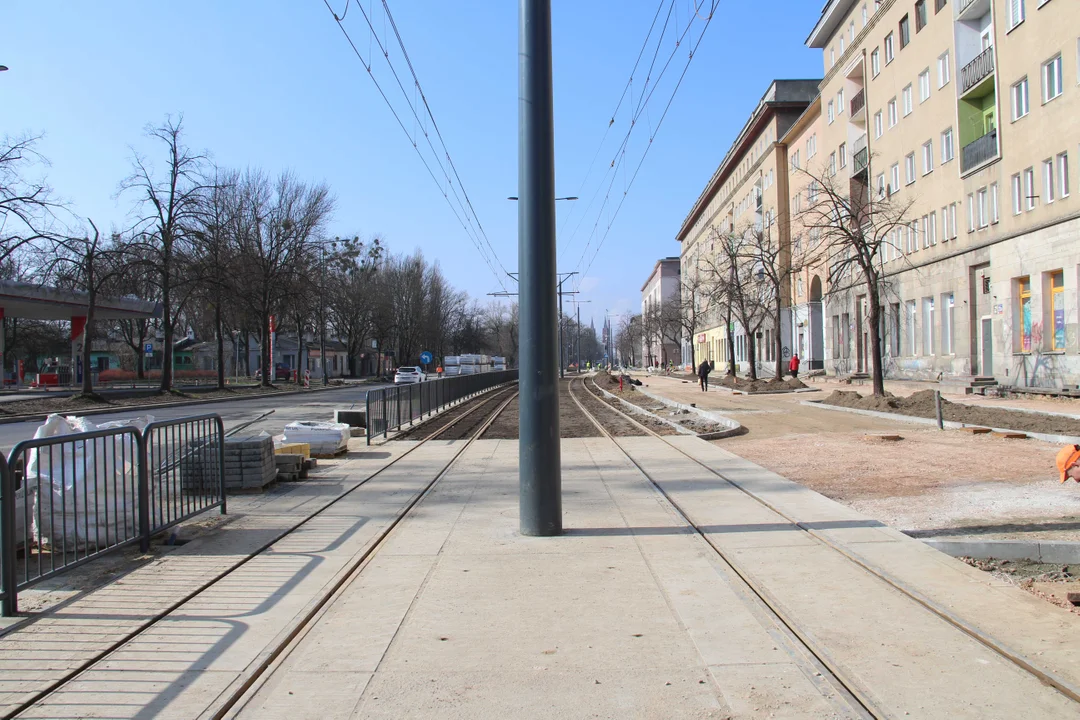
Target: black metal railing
pixel 860 161
pixel 66 499
pixel 977 152
pixel 975 71
pixel 388 409
pixel 858 103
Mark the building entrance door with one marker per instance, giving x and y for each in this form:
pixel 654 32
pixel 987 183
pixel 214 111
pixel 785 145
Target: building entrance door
pixel 986 345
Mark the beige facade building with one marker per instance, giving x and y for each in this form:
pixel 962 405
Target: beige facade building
pixel 749 191
pixel 966 111
pixel 661 287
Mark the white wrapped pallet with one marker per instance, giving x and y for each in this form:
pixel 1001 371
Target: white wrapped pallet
pixel 451 361
pixel 325 438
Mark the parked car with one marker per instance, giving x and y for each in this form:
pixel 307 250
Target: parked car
pixel 409 374
pixel 281 372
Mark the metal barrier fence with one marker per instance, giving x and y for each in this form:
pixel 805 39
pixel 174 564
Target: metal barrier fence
pixel 67 499
pixel 390 408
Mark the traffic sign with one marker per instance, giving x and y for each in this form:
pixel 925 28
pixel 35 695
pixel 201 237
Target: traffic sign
pixel 149 348
pixel 426 357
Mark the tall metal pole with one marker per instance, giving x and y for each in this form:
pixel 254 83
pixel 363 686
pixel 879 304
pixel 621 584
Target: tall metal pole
pixel 577 331
pixel 539 457
pixel 562 341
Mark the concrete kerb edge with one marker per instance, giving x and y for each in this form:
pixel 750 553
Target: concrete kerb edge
pixel 950 424
pixel 642 411
pixel 183 403
pixel 1053 552
pixel 727 422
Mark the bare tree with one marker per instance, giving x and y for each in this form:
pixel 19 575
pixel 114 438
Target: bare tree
pixel 628 339
pixel 26 205
pixel 772 267
pixel 87 265
pixel 173 205
pixel 691 304
pixel 853 235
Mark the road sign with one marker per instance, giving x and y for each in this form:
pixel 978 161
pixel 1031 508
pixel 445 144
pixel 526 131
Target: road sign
pixel 149 348
pixel 425 357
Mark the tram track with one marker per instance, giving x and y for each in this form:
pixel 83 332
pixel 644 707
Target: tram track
pixel 476 419
pixel 861 701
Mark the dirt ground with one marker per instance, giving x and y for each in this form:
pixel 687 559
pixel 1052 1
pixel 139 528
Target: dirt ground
pixel 685 418
pixel 921 404
pixel 614 423
pixel 572 422
pixel 1052 583
pixel 932 483
pixel 77 404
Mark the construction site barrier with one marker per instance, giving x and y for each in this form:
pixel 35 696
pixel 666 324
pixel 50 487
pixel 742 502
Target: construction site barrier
pixel 67 499
pixel 388 409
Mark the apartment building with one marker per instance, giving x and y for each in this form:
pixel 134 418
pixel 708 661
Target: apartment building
pixel 964 112
pixel 809 274
pixel 748 192
pixel 661 287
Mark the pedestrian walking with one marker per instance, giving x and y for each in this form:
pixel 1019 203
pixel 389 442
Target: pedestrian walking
pixel 1068 462
pixel 703 375
pixel 793 366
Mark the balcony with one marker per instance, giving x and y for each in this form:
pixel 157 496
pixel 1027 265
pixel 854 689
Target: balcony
pixel 860 161
pixel 980 151
pixel 858 103
pixel 977 70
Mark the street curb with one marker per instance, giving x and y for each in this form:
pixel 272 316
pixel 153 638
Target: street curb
pixel 108 411
pixel 950 424
pixel 678 428
pixel 1054 552
pixel 734 427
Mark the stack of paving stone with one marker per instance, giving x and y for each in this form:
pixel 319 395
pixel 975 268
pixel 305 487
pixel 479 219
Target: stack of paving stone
pixel 291 467
pixel 249 463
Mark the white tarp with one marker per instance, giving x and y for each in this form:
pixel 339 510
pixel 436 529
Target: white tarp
pixel 81 494
pixel 325 438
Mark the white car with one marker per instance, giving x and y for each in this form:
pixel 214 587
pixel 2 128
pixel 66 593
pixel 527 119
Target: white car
pixel 409 374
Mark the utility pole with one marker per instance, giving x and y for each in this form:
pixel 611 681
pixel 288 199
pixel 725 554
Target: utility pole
pixel 577 332
pixel 563 277
pixel 539 456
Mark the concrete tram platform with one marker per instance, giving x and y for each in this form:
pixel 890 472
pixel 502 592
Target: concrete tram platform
pixel 631 613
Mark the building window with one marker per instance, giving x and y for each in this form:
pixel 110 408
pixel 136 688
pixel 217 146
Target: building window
pixel 920 15
pixel 939 6
pixel 994 213
pixel 1048 181
pixel 843 155
pixel 795 160
pixel 1051 75
pixel 1023 314
pixel 831 114
pixel 905 32
pixel 928 326
pixel 1017 194
pixel 1020 106
pixel 894 178
pixel 875 62
pixel 911 327
pixel 878 129
pixel 952 221
pixel 983 218
pixel 944 71
pixel 971 213
pixel 881 186
pixel 948 151
pixel 1016 13
pixel 909 104
pixel 909 168
pixel 865 15
pixel 889 48
pixel 894 330
pixel 1029 188
pixel 1057 309
pixel 947 303
pixel 924 85
pixel 840 102
pixel 811 146
pixel 892 113
pixel 931 228
pixel 1063 173
pixel 832 56
pixel 832 163
pixel 928 157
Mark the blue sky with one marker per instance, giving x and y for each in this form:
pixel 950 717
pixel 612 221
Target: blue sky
pixel 274 84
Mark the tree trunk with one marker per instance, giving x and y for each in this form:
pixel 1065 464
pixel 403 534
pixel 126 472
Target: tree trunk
pixel 751 355
pixel 220 348
pixel 730 344
pixel 875 338
pixel 88 332
pixel 322 353
pixel 264 360
pixel 780 341
pixel 140 361
pixel 167 345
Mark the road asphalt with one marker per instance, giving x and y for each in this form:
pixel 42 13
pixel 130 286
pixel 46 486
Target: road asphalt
pixel 287 408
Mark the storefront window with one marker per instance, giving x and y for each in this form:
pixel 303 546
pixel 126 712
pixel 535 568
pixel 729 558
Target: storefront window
pixel 1024 312
pixel 1057 299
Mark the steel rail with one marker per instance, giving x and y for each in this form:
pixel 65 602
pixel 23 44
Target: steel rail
pixel 1044 676
pixel 158 617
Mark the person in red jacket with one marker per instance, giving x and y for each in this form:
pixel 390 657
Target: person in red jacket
pixel 793 366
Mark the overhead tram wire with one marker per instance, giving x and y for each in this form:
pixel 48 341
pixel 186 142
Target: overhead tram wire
pixel 626 88
pixel 641 107
pixel 435 125
pixel 473 238
pixel 648 147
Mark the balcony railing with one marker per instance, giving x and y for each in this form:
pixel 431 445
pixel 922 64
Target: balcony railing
pixel 858 103
pixel 975 71
pixel 859 161
pixel 977 152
